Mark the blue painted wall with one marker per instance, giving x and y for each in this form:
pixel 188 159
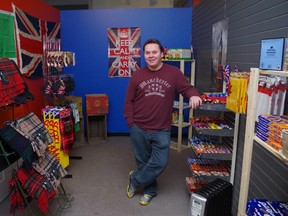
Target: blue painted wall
pixel 85 33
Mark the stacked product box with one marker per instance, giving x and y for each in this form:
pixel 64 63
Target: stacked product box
pixel 269 129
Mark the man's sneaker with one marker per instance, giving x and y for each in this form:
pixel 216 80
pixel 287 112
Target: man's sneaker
pixel 130 187
pixel 145 199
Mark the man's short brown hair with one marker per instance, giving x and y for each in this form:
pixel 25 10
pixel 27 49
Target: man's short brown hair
pixel 153 41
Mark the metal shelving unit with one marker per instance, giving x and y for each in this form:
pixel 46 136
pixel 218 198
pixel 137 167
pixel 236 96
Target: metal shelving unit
pixel 222 134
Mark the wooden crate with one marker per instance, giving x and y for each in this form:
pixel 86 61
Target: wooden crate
pixel 96 128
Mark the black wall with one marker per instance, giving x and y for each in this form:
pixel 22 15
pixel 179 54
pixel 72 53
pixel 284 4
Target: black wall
pixel 249 22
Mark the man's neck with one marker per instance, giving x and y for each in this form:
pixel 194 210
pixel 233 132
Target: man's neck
pixel 155 68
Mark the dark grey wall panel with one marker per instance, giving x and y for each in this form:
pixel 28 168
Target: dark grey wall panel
pixel 249 21
pixel 265 183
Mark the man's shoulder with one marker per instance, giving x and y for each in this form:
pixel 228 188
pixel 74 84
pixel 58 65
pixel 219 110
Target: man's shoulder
pixel 170 66
pixel 140 70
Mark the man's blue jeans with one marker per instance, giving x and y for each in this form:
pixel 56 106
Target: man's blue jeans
pixel 151 151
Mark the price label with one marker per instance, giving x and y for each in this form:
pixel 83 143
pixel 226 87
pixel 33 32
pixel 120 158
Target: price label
pixel 196 208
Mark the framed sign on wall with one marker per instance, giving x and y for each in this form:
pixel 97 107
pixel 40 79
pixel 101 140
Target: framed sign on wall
pixel 272 53
pixel 124 51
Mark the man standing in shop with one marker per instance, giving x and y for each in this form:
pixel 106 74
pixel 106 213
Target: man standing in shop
pixel 148 111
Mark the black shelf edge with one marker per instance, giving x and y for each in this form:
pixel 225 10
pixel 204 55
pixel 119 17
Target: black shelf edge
pixel 211 178
pixel 214 107
pixel 216 132
pixel 215 156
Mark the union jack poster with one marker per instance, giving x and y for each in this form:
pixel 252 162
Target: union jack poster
pixel 31 33
pixel 124 51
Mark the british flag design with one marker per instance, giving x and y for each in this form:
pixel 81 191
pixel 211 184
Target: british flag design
pixel 31 33
pixel 124 51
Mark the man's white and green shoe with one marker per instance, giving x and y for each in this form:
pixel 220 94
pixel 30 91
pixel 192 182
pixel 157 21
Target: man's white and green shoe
pixel 130 190
pixel 145 199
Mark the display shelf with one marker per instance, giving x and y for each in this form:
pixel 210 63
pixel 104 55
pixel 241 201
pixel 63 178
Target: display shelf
pixel 272 150
pixel 270 72
pixel 193 184
pixel 209 169
pixel 212 178
pixel 216 132
pixel 214 107
pixel 181 124
pixel 250 137
pixel 230 134
pixel 211 149
pixel 216 156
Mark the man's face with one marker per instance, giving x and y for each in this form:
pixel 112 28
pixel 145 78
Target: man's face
pixel 153 56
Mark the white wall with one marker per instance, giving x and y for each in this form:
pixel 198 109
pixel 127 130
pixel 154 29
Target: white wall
pixel 132 4
pixel 105 4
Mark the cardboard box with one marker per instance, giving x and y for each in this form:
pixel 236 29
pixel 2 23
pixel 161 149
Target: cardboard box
pixel 96 104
